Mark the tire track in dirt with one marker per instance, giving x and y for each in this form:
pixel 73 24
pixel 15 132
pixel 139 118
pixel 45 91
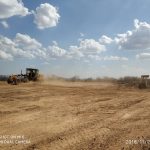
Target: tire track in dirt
pixel 74 136
pixel 83 117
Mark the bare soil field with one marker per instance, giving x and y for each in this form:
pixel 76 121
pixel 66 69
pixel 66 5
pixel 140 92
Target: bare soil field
pixel 74 116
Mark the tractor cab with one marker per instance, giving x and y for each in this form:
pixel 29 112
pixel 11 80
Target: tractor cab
pixel 32 74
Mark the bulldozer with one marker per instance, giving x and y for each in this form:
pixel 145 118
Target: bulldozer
pixel 31 75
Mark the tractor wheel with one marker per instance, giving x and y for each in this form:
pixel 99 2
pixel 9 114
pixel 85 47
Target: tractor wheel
pixel 9 81
pixel 15 82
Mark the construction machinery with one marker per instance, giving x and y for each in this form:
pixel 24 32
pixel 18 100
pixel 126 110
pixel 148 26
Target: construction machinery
pixel 144 82
pixel 31 75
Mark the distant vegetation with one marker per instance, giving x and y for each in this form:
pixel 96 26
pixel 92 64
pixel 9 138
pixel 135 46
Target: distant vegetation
pixel 127 80
pixel 3 77
pixel 78 79
pixel 134 82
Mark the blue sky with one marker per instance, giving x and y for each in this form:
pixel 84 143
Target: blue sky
pixel 88 38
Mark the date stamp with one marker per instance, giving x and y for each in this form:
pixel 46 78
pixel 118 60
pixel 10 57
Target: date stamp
pixel 141 141
pixel 14 139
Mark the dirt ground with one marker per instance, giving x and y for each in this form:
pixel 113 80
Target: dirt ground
pixel 74 116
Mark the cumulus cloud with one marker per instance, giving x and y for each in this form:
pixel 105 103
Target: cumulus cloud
pixel 82 34
pixel 105 40
pixel 74 52
pixel 21 46
pixel 4 24
pixel 94 57
pixel 86 47
pixel 89 46
pixel 30 45
pixel 9 8
pixel 25 41
pixel 10 47
pixel 115 58
pixel 136 39
pixel 107 58
pixel 56 51
pixel 4 55
pixel 143 56
pixel 46 16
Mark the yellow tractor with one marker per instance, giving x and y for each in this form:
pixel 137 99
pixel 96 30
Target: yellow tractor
pixel 31 75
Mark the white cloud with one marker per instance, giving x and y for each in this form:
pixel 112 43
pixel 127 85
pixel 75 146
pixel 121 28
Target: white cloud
pixel 9 8
pixel 74 53
pixel 143 56
pixel 86 47
pixel 46 16
pixel 89 46
pixel 25 41
pixel 95 57
pixel 55 43
pixel 45 63
pixel 82 34
pixel 4 55
pixel 56 51
pixel 30 45
pixel 137 39
pixel 10 47
pixel 4 24
pixel 115 58
pixel 105 40
pixel 107 58
pixel 22 46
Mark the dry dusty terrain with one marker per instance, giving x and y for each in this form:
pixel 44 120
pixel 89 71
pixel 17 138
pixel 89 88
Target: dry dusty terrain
pixel 74 116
